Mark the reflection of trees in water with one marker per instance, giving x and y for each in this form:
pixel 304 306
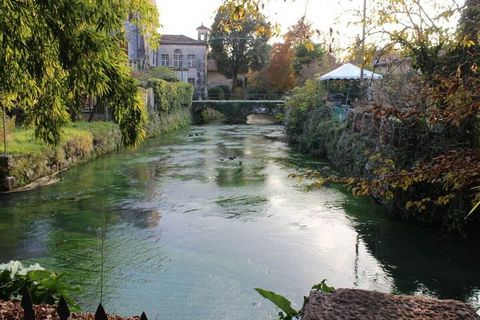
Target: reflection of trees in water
pixel 243 165
pixel 60 226
pixel 418 258
pixel 239 175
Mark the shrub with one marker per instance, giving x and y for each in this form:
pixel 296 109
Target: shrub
pixel 226 91
pixel 215 93
pixel 184 93
pixel 44 286
pixel 170 95
pixel 162 73
pixel 77 144
pixel 303 101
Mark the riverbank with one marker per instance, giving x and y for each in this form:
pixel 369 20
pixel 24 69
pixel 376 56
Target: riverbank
pixel 415 169
pixel 30 159
pixel 32 163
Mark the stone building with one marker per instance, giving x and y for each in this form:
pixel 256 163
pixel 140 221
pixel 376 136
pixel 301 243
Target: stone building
pixel 139 52
pixel 186 56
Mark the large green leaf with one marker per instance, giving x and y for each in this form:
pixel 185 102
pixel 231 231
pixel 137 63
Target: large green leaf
pixel 280 301
pixel 322 286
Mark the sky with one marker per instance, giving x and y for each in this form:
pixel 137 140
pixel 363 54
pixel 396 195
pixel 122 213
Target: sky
pixel 184 16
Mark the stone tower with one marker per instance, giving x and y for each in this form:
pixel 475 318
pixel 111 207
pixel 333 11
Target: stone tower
pixel 203 33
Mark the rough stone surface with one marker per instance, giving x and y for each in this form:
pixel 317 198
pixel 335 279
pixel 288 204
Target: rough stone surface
pixel 349 304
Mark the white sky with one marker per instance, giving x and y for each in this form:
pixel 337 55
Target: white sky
pixel 184 16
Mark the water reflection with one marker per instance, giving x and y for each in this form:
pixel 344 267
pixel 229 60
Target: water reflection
pixel 419 259
pixel 194 221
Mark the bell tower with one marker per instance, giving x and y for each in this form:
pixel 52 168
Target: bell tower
pixel 203 33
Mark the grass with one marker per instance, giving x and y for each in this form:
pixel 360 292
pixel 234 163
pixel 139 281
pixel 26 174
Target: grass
pixel 81 141
pixel 78 135
pixel 23 142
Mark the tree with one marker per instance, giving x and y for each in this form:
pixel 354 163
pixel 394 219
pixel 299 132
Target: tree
pixel 239 41
pixel 308 55
pixel 442 167
pixel 294 61
pixel 54 54
pixel 280 71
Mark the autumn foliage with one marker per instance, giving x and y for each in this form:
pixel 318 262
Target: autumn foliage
pixel 421 150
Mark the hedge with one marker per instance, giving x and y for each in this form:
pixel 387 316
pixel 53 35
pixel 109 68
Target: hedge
pixel 170 95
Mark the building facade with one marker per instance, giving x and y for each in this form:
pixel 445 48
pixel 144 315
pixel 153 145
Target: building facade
pixel 138 50
pixel 186 56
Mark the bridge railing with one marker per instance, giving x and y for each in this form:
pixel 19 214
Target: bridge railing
pixel 248 96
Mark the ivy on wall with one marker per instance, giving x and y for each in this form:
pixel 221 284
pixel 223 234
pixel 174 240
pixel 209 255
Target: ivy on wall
pixel 170 96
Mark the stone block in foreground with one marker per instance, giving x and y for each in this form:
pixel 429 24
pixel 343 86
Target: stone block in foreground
pixel 350 304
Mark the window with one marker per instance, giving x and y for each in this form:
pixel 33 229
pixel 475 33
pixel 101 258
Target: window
pixel 191 60
pixel 165 60
pixel 191 81
pixel 177 58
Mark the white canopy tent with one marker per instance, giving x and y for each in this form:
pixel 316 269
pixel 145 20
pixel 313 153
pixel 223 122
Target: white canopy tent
pixel 349 71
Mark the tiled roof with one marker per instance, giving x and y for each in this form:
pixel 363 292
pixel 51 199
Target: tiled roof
pixel 202 27
pixel 179 39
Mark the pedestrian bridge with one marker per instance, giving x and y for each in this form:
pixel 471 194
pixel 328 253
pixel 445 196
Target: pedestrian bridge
pixel 237 111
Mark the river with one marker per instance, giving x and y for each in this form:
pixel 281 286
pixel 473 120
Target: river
pixel 193 221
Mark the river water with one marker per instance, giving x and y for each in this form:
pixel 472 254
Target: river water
pixel 192 222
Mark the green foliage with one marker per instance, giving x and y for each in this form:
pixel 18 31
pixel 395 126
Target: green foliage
pixel 306 53
pixel 84 57
pixel 163 73
pixel 239 40
pixel 161 123
pixel 303 100
pixel 9 127
pixel 215 93
pixel 44 286
pixel 226 91
pixel 281 302
pixel 34 159
pixel 322 286
pixel 171 95
pixel 285 305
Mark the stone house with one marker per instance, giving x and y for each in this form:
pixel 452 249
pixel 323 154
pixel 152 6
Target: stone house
pixel 139 52
pixel 186 56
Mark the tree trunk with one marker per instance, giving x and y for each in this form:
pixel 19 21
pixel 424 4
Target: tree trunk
pixel 234 81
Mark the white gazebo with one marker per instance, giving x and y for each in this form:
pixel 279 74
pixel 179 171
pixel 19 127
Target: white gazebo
pixel 349 71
